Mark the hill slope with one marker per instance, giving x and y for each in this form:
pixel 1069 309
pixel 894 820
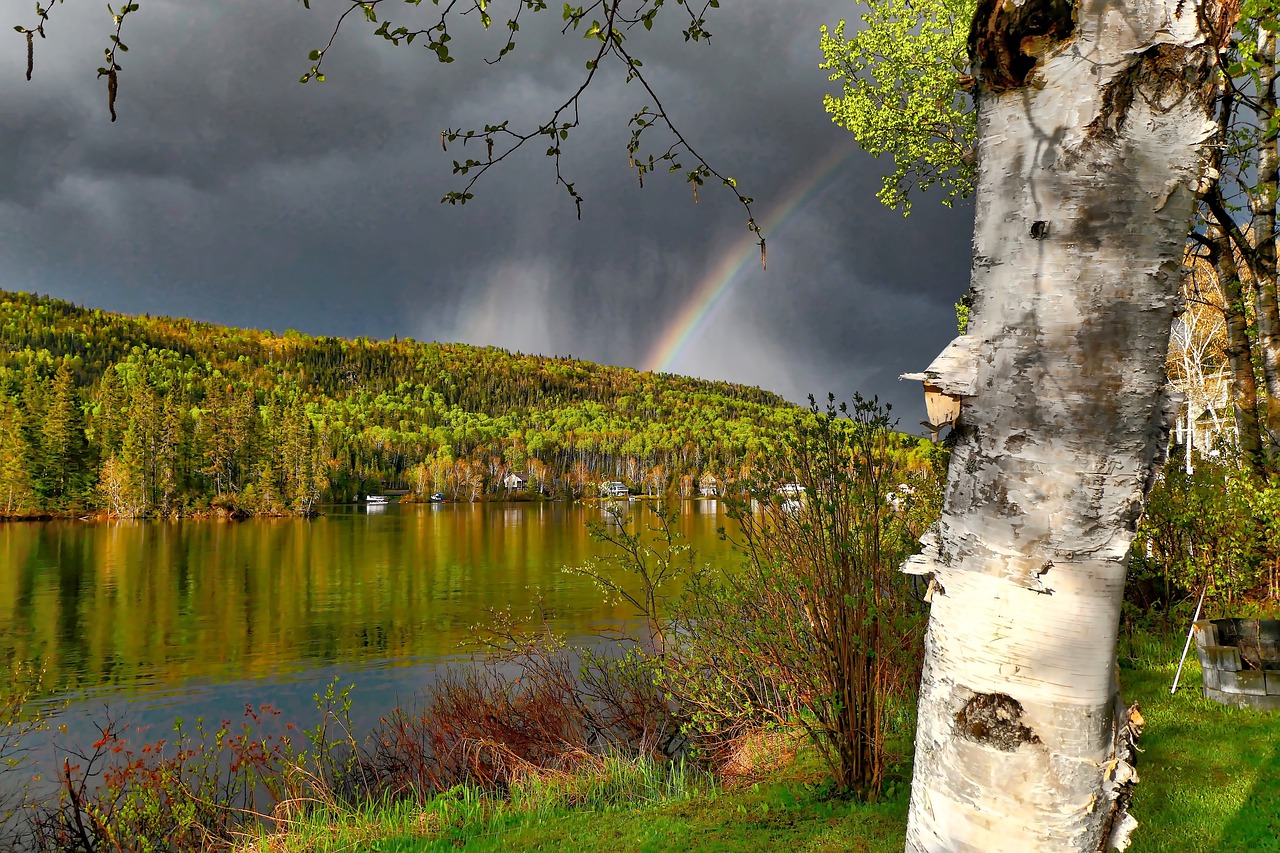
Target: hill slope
pixel 142 416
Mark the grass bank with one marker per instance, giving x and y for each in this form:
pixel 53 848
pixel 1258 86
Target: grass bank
pixel 1210 781
pixel 628 808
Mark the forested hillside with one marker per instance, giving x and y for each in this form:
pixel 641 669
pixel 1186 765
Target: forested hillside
pixel 139 416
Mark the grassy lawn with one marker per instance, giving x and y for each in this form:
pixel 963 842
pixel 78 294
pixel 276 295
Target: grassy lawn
pixel 777 816
pixel 1210 782
pixel 1210 777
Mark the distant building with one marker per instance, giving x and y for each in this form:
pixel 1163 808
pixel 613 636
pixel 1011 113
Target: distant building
pixel 516 481
pixel 791 490
pixel 615 489
pixel 1207 418
pixel 708 485
pixel 898 497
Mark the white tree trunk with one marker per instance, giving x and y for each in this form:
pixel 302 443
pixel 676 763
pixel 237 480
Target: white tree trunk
pixel 1088 168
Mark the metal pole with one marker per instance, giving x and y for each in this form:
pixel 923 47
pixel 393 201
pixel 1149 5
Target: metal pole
pixel 1191 439
pixel 1187 646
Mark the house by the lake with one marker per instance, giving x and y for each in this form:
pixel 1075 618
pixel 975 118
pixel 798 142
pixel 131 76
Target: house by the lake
pixel 708 485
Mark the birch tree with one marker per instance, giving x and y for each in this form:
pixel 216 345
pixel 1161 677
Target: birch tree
pixel 1199 362
pixel 1091 123
pixel 903 74
pixel 1092 116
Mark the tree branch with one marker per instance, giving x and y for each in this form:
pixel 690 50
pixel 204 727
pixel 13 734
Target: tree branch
pixel 42 17
pixel 112 69
pixel 501 141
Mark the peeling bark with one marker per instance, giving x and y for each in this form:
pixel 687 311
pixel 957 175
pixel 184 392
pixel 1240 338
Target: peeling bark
pixel 1087 174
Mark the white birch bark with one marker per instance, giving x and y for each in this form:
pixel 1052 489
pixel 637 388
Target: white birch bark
pixel 1088 169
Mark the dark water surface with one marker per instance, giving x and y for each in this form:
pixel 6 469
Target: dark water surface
pixel 198 618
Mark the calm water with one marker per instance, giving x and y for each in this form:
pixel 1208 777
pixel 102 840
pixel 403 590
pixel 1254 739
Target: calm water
pixel 198 618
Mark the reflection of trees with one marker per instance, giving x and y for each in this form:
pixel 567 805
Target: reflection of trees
pixel 126 603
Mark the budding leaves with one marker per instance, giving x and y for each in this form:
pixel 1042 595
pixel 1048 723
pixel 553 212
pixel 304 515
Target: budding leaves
pixel 901 75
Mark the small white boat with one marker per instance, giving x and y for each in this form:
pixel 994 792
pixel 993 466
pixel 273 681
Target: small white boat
pixel 376 499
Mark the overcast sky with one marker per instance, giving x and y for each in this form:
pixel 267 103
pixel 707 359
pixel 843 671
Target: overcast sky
pixel 228 192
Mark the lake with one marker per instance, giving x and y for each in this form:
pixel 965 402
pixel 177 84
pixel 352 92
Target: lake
pixel 197 618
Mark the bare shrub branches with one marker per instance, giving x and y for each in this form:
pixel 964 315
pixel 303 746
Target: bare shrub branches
pixel 818 628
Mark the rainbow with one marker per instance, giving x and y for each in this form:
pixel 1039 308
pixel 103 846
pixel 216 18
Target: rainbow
pixel 719 280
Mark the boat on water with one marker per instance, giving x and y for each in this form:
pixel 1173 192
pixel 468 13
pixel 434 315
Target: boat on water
pixel 376 499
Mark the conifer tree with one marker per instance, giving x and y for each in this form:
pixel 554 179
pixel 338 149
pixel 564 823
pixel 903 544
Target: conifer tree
pixel 15 461
pixel 65 474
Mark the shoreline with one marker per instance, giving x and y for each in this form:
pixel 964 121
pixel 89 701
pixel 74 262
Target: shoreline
pixel 225 515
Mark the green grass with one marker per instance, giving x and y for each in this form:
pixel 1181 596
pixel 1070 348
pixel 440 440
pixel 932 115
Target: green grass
pixel 1210 782
pixel 656 810
pixel 1210 775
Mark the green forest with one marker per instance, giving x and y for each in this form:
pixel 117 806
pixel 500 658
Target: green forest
pixel 103 413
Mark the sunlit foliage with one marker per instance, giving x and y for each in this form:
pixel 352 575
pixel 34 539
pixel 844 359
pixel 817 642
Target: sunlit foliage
pixel 141 416
pixel 902 73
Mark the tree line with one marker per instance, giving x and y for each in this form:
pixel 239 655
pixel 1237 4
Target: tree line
pixel 143 416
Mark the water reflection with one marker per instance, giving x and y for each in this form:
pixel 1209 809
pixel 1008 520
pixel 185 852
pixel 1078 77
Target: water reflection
pixel 615 512
pixel 131 608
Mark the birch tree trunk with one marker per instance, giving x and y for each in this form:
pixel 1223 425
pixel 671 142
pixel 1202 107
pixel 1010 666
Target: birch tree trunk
pixel 1265 272
pixel 1239 349
pixel 1092 120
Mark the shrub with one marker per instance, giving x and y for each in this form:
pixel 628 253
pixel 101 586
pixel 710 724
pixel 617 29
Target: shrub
pixel 817 627
pixel 1216 528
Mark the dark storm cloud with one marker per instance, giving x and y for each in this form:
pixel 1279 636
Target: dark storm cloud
pixel 229 192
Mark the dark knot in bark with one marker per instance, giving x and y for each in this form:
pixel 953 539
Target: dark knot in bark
pixel 994 719
pixel 1008 39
